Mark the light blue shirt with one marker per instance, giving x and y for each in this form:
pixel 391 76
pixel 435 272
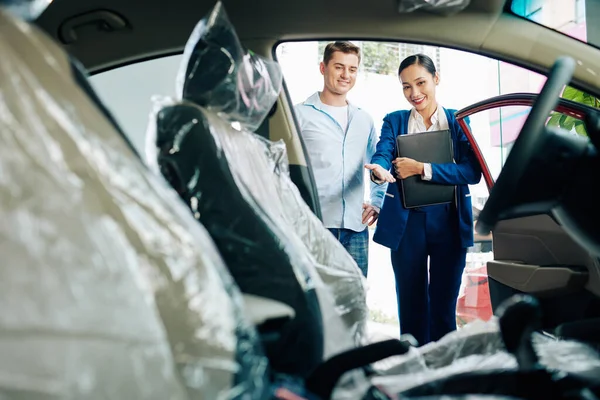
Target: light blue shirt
pixel 337 158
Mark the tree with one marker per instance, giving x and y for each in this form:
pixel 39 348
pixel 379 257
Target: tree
pixel 380 58
pixel 567 122
pixel 377 57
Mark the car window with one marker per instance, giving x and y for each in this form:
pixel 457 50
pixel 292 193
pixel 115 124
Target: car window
pixel 127 92
pixel 379 92
pixel 505 125
pixel 574 18
pixel 465 79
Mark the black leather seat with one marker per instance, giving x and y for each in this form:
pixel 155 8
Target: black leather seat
pixel 248 242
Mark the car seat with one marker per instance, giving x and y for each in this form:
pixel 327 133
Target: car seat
pixel 108 288
pixel 273 244
pixel 248 242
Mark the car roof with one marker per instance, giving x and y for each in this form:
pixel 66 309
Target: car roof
pixel 160 28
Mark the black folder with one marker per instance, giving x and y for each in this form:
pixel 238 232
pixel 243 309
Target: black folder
pixel 433 147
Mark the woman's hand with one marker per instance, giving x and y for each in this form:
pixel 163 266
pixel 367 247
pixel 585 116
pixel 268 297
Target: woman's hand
pixel 406 167
pixel 380 175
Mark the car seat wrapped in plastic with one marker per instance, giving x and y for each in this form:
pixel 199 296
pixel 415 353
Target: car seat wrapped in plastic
pixel 254 83
pixel 194 158
pixel 247 87
pixel 220 75
pixel 108 288
pixel 242 88
pixel 335 265
pixel 505 355
pixel 261 263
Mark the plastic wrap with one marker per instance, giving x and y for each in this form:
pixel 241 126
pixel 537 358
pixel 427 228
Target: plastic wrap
pixel 219 74
pixel 438 6
pixel 194 149
pixel 568 356
pixel 336 267
pixel 186 130
pixel 479 347
pixel 477 338
pixel 228 180
pixel 108 287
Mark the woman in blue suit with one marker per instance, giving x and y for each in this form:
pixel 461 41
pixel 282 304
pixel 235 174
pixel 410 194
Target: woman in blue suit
pixel 426 299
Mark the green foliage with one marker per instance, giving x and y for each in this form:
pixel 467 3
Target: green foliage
pixel 380 58
pixel 567 122
pixel 377 57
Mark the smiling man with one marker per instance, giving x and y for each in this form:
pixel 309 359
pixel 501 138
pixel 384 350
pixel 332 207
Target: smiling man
pixel 340 139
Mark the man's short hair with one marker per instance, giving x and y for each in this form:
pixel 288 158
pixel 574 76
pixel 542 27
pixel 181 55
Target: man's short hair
pixel 344 47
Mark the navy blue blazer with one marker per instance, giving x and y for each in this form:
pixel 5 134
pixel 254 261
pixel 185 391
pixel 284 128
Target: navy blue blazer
pixel 465 171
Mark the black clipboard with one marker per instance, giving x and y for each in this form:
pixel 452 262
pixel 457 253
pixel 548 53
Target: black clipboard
pixel 428 147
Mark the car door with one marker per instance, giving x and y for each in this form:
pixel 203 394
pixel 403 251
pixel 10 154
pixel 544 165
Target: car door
pixel 533 254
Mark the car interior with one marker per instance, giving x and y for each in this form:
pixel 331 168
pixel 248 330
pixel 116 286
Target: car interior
pixel 201 270
pixel 533 253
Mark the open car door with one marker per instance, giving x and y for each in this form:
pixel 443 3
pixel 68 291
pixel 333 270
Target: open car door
pixel 533 254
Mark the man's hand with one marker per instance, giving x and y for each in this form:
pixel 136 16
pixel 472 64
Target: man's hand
pixel 380 174
pixel 406 167
pixel 370 214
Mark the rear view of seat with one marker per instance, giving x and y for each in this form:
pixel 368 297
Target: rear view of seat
pixel 270 239
pixel 108 288
pixel 247 240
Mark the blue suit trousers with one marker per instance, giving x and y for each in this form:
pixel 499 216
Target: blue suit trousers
pixel 427 296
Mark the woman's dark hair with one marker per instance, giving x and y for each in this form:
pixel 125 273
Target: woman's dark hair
pixel 418 59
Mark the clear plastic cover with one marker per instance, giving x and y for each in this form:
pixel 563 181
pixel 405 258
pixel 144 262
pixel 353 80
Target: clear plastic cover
pixel 336 267
pixel 344 292
pixel 219 74
pixel 478 337
pixel 194 149
pixel 108 287
pixel 273 198
pixel 438 6
pixel 479 347
pixel 260 172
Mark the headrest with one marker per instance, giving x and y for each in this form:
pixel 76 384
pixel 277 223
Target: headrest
pixel 25 9
pixel 217 73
